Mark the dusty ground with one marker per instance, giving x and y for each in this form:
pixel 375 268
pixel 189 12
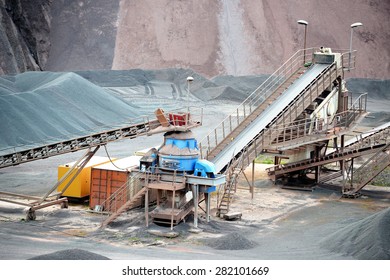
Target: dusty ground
pixel 276 224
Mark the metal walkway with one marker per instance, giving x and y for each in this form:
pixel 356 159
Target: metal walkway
pixel 364 144
pixel 280 99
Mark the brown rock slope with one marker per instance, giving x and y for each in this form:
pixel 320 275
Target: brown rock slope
pixel 242 37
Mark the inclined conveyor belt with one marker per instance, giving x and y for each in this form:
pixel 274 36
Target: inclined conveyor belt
pixel 266 117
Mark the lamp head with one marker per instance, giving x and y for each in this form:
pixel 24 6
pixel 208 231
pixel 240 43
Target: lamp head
pixel 356 24
pixel 303 22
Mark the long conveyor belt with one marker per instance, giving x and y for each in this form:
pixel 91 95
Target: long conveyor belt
pixel 20 155
pixel 267 116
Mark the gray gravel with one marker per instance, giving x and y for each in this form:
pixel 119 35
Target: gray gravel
pixel 231 241
pixel 367 239
pixel 38 108
pixel 70 254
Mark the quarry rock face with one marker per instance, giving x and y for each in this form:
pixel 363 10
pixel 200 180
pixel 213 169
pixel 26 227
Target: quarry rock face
pixel 243 37
pixel 83 34
pixel 236 37
pixel 24 35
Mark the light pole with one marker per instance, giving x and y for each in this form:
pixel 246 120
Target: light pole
pixel 305 23
pixel 189 81
pixel 356 24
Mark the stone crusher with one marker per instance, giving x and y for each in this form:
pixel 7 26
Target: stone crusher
pixel 181 179
pixel 174 177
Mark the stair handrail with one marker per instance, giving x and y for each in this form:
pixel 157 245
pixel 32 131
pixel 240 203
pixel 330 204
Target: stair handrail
pixel 130 186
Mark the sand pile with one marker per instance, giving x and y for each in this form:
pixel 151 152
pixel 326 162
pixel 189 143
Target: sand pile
pixel 231 241
pixel 43 107
pixel 368 239
pixel 71 254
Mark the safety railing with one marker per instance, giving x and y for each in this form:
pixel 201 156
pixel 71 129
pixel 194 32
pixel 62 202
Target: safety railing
pixel 257 97
pixel 308 95
pixel 123 194
pixel 288 114
pixel 133 185
pixel 279 134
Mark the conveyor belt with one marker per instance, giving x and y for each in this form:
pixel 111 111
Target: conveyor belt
pixel 264 119
pixel 367 143
pixel 16 157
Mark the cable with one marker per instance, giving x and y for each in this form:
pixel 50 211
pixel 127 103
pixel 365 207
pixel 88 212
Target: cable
pixel 105 148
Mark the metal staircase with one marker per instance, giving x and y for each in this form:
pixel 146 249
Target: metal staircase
pixel 126 206
pixel 227 193
pixel 125 198
pixel 129 195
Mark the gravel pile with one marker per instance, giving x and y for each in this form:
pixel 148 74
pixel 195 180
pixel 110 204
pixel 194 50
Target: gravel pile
pixel 368 239
pixel 71 254
pixel 218 88
pixel 40 108
pixel 231 241
pixel 43 107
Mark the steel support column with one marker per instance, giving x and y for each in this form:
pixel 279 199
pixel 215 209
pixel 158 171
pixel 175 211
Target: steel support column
pixel 195 194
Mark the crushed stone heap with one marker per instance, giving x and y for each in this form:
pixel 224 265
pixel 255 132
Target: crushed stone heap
pixel 367 239
pixel 38 108
pixel 70 254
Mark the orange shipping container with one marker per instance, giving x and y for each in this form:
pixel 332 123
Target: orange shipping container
pixel 106 179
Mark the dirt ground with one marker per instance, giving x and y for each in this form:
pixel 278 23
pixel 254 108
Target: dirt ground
pixel 276 224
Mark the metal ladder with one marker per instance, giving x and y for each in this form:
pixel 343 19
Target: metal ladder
pixel 228 193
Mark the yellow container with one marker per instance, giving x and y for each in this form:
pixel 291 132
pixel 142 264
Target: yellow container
pixel 81 185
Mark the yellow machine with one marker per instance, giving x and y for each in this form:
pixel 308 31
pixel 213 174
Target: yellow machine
pixel 81 185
